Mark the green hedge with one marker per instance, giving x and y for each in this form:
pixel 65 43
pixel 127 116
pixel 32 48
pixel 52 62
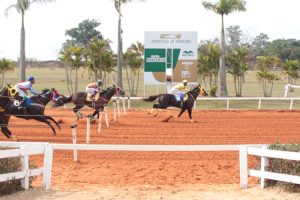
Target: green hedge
pixel 290 167
pixel 8 165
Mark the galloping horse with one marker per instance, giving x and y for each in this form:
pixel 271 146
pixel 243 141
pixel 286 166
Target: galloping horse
pixel 34 110
pixel 80 100
pixel 167 100
pixel 7 97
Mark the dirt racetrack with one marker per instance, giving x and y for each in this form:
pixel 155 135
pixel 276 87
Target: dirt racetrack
pixel 158 169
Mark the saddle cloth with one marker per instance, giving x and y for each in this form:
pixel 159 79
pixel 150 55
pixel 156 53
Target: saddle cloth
pixel 90 98
pixel 186 96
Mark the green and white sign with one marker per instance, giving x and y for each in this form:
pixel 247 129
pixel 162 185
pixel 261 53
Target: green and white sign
pixel 170 57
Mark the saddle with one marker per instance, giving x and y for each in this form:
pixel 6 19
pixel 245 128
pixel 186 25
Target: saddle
pixel 186 96
pixel 90 97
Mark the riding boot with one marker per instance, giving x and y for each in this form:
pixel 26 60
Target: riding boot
pixel 181 104
pixel 22 105
pixel 92 97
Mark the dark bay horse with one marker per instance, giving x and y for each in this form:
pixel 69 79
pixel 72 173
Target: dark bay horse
pixel 7 97
pixel 34 110
pixel 80 100
pixel 168 100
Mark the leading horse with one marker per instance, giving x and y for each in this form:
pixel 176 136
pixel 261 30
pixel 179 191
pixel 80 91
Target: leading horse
pixel 167 100
pixel 80 100
pixel 34 110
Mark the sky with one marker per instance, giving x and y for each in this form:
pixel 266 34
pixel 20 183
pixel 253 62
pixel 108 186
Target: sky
pixel 45 24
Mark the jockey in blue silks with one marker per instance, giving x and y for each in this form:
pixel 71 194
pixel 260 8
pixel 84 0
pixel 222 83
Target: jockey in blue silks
pixel 180 90
pixel 23 88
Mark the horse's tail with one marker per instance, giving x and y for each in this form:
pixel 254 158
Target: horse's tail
pixel 67 99
pixel 151 98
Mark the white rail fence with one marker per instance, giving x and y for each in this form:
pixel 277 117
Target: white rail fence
pixel 24 151
pixel 229 99
pixel 28 148
pixel 265 153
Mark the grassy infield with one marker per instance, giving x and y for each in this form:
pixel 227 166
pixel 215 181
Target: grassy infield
pixel 55 77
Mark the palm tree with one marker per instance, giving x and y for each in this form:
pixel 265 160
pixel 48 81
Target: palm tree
pixel 134 59
pixel 5 66
pixel 22 6
pixel 291 70
pixel 118 5
pixel 96 48
pixel 224 7
pixel 73 58
pixel 267 75
pixel 237 60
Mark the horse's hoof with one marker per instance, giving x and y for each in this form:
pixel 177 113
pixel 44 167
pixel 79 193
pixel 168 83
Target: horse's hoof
pixel 14 138
pixel 192 121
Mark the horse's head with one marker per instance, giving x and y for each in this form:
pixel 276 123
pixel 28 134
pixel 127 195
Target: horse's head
pixel 53 95
pixel 199 90
pixel 116 90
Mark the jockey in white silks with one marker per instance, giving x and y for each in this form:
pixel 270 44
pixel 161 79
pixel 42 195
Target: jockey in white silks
pixel 94 88
pixel 23 88
pixel 180 90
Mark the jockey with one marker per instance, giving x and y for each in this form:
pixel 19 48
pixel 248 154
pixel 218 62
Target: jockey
pixel 179 91
pixel 23 87
pixel 94 88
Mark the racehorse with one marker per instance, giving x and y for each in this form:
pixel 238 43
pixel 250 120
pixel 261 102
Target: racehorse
pixel 7 97
pixel 167 100
pixel 80 100
pixel 34 110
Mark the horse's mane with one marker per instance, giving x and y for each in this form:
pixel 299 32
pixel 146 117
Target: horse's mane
pixel 44 91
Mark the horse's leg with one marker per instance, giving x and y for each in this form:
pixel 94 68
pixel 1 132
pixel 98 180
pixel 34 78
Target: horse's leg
pixel 190 114
pixel 181 111
pixel 96 112
pixel 5 130
pixel 156 106
pixel 77 112
pixel 55 122
pixel 44 120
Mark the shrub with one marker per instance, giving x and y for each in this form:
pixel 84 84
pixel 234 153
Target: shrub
pixel 290 167
pixel 8 165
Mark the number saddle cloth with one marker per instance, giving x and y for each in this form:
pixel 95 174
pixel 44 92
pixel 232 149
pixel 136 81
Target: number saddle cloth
pixel 90 97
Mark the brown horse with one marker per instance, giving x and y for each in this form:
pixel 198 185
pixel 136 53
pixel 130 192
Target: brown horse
pixel 80 100
pixel 167 100
pixel 34 110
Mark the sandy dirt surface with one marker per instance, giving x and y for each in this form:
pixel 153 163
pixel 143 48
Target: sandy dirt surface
pixel 164 175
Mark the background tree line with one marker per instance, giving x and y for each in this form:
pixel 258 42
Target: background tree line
pixel 272 59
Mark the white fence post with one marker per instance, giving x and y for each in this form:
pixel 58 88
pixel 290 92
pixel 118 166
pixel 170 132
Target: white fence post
pixel 259 104
pixel 263 165
pixel 106 116
pixel 118 107
pixel 74 138
pixel 48 158
pixel 243 167
pixel 124 106
pixel 227 104
pixel 88 129
pixel 291 105
pixel 25 167
pixel 99 121
pixel 128 103
pixel 114 110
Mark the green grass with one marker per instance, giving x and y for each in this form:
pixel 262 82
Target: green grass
pixel 55 77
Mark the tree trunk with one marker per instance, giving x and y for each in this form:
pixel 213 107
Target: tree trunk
pixel 22 52
pixel 128 79
pixel 2 81
pixel 76 80
pixel 235 85
pixel 120 53
pixel 94 70
pixel 138 81
pixel 222 70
